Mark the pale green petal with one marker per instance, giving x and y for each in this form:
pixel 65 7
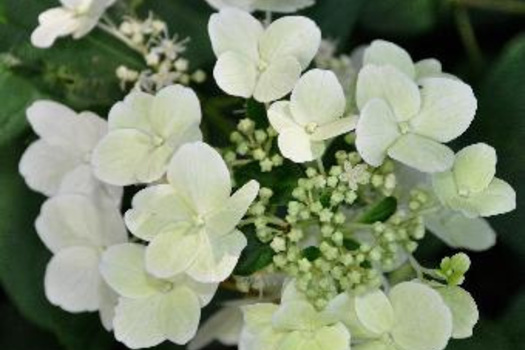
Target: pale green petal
pixel 172 252
pixel 122 267
pixel 447 109
pixel 376 131
pixel 387 83
pixel 108 300
pixel 498 198
pixel 464 310
pixel 427 68
pixel 224 326
pixel 201 176
pixel 374 345
pixel 156 209
pixel 180 314
pixel 235 31
pixel 72 279
pixel 204 291
pixel 474 168
pixel 287 6
pixel 459 231
pixel 423 320
pixel 291 293
pixel 422 153
pixel 296 145
pixel 225 219
pixel 258 316
pixel 445 187
pixel 132 113
pixel 334 337
pixel 375 312
pixel 317 98
pixel 277 80
pixel 334 129
pixel 382 53
pixel 217 257
pixel 235 74
pixel 294 36
pixel 296 316
pixel 280 116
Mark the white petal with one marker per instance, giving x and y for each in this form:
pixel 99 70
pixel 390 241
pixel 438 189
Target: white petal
pixel 376 131
pixel 235 74
pixel 156 209
pixel 335 337
pixel 389 84
pixel 54 23
pixel 382 53
pixel 217 257
pixel 277 80
pixel 287 6
pixel 295 316
pixel 374 345
pixel 374 312
pixel 199 173
pixel 280 116
pixel 475 167
pixel 132 113
pixel 225 326
pixel 458 231
pixel 447 108
pixel 180 315
pixel 295 144
pixel 423 320
pixel 464 310
pixel 226 218
pixel 498 198
pixel 107 304
pixel 122 267
pixel 257 317
pixel 317 98
pixel 236 31
pixel 422 153
pixel 72 280
pixel 294 36
pixel 427 68
pixel 335 128
pixel 445 187
pixel 246 5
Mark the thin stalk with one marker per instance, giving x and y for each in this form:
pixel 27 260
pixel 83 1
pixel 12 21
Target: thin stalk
pixel 117 35
pixel 466 31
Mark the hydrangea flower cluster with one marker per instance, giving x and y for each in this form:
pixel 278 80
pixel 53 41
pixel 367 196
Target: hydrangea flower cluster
pixel 318 241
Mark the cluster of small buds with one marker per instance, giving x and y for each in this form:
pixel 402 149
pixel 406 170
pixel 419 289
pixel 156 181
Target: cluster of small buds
pixel 162 54
pixel 253 145
pixel 453 269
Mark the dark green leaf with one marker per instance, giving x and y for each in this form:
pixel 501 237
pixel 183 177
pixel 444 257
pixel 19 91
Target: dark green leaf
pixel 311 253
pixel 351 244
pixel 380 212
pixel 257 112
pixel 255 257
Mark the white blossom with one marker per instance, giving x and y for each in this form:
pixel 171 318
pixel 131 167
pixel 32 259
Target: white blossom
pixel 315 113
pixel 152 310
pixel 464 310
pixel 262 5
pixel 144 133
pixel 77 229
pixel 75 17
pixel 191 221
pixel 60 161
pixel 259 62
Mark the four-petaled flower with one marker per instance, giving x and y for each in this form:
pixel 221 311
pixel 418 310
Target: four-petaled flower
pixel 355 175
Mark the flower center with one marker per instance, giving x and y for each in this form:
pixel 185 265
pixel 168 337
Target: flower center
pixel 404 127
pixel 166 287
pixel 157 141
pixel 262 66
pixel 199 221
pixel 310 128
pixel 463 192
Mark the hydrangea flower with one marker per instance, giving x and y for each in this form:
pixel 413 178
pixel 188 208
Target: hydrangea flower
pixel 262 5
pixel 295 324
pixel 144 133
pixel 77 229
pixel 60 161
pixel 259 62
pixel 314 114
pixel 464 310
pixel 412 316
pixel 191 221
pixel 74 17
pixel 471 186
pixel 407 122
pixel 152 310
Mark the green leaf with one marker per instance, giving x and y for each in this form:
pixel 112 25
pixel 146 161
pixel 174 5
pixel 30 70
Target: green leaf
pixel 351 244
pixel 255 257
pixel 311 253
pixel 256 111
pixel 380 212
pixel 13 112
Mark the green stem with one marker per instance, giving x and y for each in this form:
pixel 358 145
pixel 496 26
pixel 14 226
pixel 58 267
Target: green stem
pixel 113 31
pixel 509 6
pixel 466 30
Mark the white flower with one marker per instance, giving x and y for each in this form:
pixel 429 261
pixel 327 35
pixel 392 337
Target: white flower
pixel 262 5
pixel 412 316
pixel 144 133
pixel 152 310
pixel 313 115
pixel 75 17
pixel 464 310
pixel 355 175
pixel 59 162
pixel 295 324
pixel 409 123
pixel 77 229
pixel 190 222
pixel 258 62
pixel 471 186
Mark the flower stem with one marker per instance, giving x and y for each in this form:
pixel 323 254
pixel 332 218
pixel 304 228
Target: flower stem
pixel 113 31
pixel 466 30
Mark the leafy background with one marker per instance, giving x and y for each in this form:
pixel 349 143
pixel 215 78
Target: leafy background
pixel 482 41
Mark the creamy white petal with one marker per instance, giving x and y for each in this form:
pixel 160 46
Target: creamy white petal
pixel 180 315
pixel 295 144
pixel 474 168
pixel 335 128
pixel 53 23
pixel 280 116
pixel 464 310
pixel 108 300
pixel 317 98
pixel 447 109
pixel 381 52
pixel 282 6
pixel 427 68
pixel 498 198
pixel 278 79
pixel 296 316
pixel 422 153
pixel 224 326
pixel 374 345
pixel 236 74
pixel 132 113
pixel 375 312
pixel 445 187
pixel 258 316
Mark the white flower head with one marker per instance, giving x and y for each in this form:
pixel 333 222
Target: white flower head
pixel 314 114
pixel 151 310
pixel 471 186
pixel 408 122
pixel 77 229
pixel 76 18
pixel 60 161
pixel 259 62
pixel 262 5
pixel 191 221
pixel 144 133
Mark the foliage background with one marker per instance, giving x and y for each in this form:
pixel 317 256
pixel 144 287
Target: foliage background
pixel 482 41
